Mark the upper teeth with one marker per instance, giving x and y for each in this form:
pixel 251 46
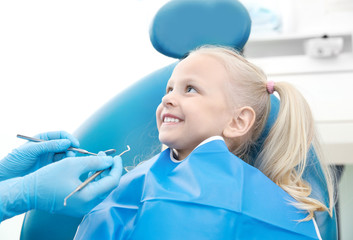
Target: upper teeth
pixel 169 119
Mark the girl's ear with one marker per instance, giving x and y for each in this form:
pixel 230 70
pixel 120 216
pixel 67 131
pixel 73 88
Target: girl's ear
pixel 240 124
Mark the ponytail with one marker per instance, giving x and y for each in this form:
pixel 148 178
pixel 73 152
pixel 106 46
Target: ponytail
pixel 284 155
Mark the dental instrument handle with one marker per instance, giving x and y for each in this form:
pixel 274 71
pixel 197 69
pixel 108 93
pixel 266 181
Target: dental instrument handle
pixel 90 179
pixel 32 139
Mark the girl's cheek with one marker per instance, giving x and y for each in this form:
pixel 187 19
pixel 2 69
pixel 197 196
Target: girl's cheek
pixel 158 115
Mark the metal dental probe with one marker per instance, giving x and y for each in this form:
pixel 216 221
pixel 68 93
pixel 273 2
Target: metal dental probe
pixel 91 178
pixel 108 152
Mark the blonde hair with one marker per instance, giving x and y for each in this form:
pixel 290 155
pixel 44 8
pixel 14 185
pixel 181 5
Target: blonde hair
pixel 283 157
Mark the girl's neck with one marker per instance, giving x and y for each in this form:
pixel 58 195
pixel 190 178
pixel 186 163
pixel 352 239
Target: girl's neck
pixel 183 153
pixel 180 154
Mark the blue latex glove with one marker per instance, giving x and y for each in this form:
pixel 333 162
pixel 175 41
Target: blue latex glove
pixel 46 188
pixel 31 156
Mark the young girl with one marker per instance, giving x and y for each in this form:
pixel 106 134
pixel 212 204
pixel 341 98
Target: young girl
pixel 214 110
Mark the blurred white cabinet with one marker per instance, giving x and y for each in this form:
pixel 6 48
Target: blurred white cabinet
pixel 326 83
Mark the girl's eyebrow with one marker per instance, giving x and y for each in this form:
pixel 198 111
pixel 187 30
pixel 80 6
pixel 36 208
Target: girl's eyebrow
pixel 186 80
pixel 189 80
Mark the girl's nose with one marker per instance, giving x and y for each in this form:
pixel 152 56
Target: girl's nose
pixel 169 100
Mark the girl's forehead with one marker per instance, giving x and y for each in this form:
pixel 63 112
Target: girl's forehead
pixel 199 64
pixel 202 70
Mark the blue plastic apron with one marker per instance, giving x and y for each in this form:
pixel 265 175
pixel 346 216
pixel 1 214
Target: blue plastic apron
pixel 211 194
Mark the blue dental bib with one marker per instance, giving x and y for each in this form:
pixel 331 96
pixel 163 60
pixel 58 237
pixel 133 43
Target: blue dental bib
pixel 212 194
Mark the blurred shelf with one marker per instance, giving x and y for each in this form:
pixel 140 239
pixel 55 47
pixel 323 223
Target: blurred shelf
pixel 302 64
pixel 289 44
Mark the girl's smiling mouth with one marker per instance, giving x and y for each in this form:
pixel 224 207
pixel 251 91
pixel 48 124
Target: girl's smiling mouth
pixel 169 118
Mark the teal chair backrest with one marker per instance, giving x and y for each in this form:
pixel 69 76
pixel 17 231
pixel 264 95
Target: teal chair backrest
pixel 129 118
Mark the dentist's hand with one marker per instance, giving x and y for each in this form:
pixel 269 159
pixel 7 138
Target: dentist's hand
pixel 48 186
pixel 31 156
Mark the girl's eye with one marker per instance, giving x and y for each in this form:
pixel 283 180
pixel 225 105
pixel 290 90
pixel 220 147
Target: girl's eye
pixel 169 90
pixel 190 89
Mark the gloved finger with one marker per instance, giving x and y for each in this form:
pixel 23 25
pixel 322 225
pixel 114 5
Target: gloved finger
pixel 108 183
pixel 105 172
pixel 59 135
pixel 70 154
pixel 94 163
pixel 53 146
pixel 117 167
pixel 102 153
pixel 74 140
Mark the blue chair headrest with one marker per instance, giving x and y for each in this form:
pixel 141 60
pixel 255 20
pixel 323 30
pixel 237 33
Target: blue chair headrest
pixel 182 25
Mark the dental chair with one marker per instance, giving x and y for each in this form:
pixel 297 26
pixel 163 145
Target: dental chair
pixel 129 118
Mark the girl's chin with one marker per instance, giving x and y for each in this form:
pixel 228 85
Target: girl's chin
pixel 168 142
